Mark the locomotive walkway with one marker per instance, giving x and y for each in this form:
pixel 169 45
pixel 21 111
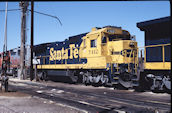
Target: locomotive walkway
pixel 80 98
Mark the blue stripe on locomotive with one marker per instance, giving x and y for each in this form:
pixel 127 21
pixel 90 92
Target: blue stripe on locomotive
pixel 77 40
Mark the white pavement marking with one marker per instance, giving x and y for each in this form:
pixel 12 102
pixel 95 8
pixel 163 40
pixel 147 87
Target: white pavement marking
pixel 53 90
pixel 110 88
pixel 60 91
pixel 51 102
pixel 45 102
pixel 39 91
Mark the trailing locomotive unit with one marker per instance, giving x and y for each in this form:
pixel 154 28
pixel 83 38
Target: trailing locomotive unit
pixel 106 55
pixel 14 64
pixel 157 63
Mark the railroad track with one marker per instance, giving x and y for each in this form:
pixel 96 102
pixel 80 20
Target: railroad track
pixel 91 101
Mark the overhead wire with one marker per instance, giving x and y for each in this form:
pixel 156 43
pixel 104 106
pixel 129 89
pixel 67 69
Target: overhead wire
pixel 37 13
pixel 9 10
pixel 48 15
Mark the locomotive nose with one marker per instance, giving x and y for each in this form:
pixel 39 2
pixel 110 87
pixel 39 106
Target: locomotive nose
pixel 123 51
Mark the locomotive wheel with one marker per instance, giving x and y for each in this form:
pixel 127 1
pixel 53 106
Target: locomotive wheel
pixel 87 81
pixel 80 79
pixel 45 77
pixel 42 76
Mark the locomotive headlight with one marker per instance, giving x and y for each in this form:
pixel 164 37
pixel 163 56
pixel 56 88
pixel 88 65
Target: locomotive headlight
pixel 132 44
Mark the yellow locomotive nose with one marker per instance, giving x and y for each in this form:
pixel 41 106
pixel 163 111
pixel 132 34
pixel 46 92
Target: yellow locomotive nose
pixel 122 51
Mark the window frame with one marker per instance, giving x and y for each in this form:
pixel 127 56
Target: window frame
pixel 104 37
pixel 93 43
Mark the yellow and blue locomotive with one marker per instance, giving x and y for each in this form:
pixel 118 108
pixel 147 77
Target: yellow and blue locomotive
pixel 106 55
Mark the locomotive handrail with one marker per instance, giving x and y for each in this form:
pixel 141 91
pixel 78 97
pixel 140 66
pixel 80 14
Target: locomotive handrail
pixel 155 45
pixel 163 50
pixel 150 46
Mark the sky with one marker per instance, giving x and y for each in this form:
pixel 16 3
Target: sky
pixel 79 17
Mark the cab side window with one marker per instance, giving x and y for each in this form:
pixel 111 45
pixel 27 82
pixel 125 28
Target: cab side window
pixel 104 40
pixel 93 43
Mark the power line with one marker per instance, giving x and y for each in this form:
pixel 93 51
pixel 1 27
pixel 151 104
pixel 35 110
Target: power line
pixel 37 13
pixel 10 10
pixel 48 15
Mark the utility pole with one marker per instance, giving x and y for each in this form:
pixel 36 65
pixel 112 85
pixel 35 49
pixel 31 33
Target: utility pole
pixel 5 39
pixel 6 58
pixel 31 41
pixel 24 5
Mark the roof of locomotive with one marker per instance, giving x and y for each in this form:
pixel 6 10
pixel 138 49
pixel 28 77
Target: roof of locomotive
pixel 157 29
pixel 144 25
pixel 76 38
pixel 99 29
pixel 70 40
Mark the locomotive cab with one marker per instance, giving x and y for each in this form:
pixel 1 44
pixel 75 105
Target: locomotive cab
pixel 114 50
pixel 122 53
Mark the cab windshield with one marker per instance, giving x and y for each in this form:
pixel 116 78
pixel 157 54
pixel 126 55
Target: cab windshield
pixel 119 37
